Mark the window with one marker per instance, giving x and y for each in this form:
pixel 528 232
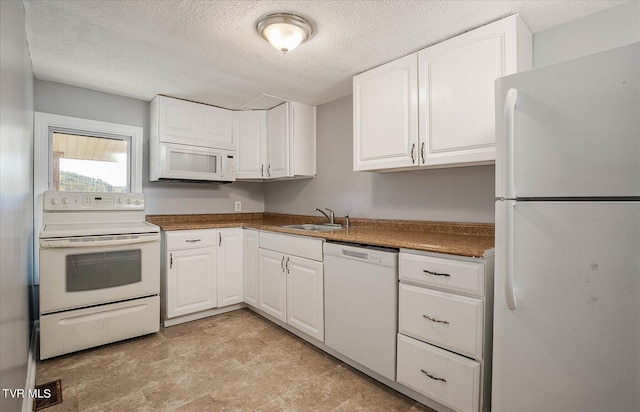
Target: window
pixel 81 163
pixel 81 155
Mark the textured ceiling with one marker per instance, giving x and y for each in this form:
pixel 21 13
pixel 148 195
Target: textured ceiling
pixel 209 51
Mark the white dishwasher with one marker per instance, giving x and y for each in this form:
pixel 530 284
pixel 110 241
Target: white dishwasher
pixel 361 304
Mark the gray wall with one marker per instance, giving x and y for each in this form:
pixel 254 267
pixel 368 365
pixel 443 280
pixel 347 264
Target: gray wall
pixel 162 198
pixel 611 28
pixel 16 199
pixel 460 194
pixel 455 194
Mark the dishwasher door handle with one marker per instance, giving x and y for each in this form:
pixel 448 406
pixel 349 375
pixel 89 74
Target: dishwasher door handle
pixel 354 254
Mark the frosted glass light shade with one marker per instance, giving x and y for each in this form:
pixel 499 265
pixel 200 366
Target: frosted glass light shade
pixel 284 31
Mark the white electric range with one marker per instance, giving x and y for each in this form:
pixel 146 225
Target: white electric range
pixel 99 271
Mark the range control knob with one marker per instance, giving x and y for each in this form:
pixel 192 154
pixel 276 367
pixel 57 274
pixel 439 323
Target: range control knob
pixel 129 201
pixel 65 200
pixel 54 201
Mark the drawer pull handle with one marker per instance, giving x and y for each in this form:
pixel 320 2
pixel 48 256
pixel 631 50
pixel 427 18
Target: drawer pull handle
pixel 193 240
pixel 446 322
pixel 435 273
pixel 435 378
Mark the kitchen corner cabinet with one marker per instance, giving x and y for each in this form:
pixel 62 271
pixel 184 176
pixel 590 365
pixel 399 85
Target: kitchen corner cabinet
pixel 202 270
pixel 445 328
pixel 251 266
pixel 279 143
pixel 436 107
pixel 291 279
pixel 182 121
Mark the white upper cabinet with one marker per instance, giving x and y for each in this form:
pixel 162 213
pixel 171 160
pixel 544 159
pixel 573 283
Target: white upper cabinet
pixel 385 116
pixel 278 143
pixel 455 105
pixel 250 129
pixel 181 121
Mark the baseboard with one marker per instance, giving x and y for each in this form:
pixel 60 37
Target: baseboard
pixel 30 385
pixel 201 315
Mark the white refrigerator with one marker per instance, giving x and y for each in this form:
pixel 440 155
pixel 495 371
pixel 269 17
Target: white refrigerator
pixel 567 276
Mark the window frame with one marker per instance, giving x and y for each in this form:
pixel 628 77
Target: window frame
pixel 93 134
pixel 46 123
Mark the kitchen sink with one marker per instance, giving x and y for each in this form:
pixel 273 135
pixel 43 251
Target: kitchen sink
pixel 314 228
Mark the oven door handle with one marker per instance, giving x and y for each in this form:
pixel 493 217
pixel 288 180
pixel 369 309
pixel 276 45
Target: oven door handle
pixel 93 241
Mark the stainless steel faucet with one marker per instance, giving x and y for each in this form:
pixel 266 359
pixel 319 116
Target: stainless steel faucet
pixel 330 217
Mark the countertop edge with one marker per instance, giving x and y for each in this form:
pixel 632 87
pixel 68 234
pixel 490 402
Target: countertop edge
pixel 347 235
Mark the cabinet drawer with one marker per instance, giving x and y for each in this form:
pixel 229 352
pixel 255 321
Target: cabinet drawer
pixel 306 247
pixel 188 239
pixel 446 377
pixel 451 321
pixel 454 275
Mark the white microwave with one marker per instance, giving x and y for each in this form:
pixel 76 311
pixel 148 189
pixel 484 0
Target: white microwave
pixel 171 161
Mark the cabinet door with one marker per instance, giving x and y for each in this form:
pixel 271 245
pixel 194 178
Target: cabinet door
pixel 251 267
pixel 178 118
pixel 303 129
pixel 272 284
pixel 278 143
pixel 191 281
pixel 217 127
pixel 457 103
pixel 249 129
pixel 305 295
pixel 230 276
pixel 385 116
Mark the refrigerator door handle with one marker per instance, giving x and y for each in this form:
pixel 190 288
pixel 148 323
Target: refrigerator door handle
pixel 510 294
pixel 510 119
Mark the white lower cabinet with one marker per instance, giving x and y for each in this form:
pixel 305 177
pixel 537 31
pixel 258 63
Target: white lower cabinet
pixel 251 260
pixel 451 321
pixel 441 375
pixel 273 284
pixel 305 296
pixel 191 281
pixel 230 267
pixel 203 269
pixel 445 324
pixel 291 281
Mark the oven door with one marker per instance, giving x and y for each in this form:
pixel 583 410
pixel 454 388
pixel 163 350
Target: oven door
pixel 84 271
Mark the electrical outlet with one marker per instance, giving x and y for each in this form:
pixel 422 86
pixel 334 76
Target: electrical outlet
pixel 238 206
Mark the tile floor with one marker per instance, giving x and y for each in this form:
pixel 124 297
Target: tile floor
pixel 237 361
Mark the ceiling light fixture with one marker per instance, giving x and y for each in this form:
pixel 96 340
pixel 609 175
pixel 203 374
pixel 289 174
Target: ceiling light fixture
pixel 284 31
